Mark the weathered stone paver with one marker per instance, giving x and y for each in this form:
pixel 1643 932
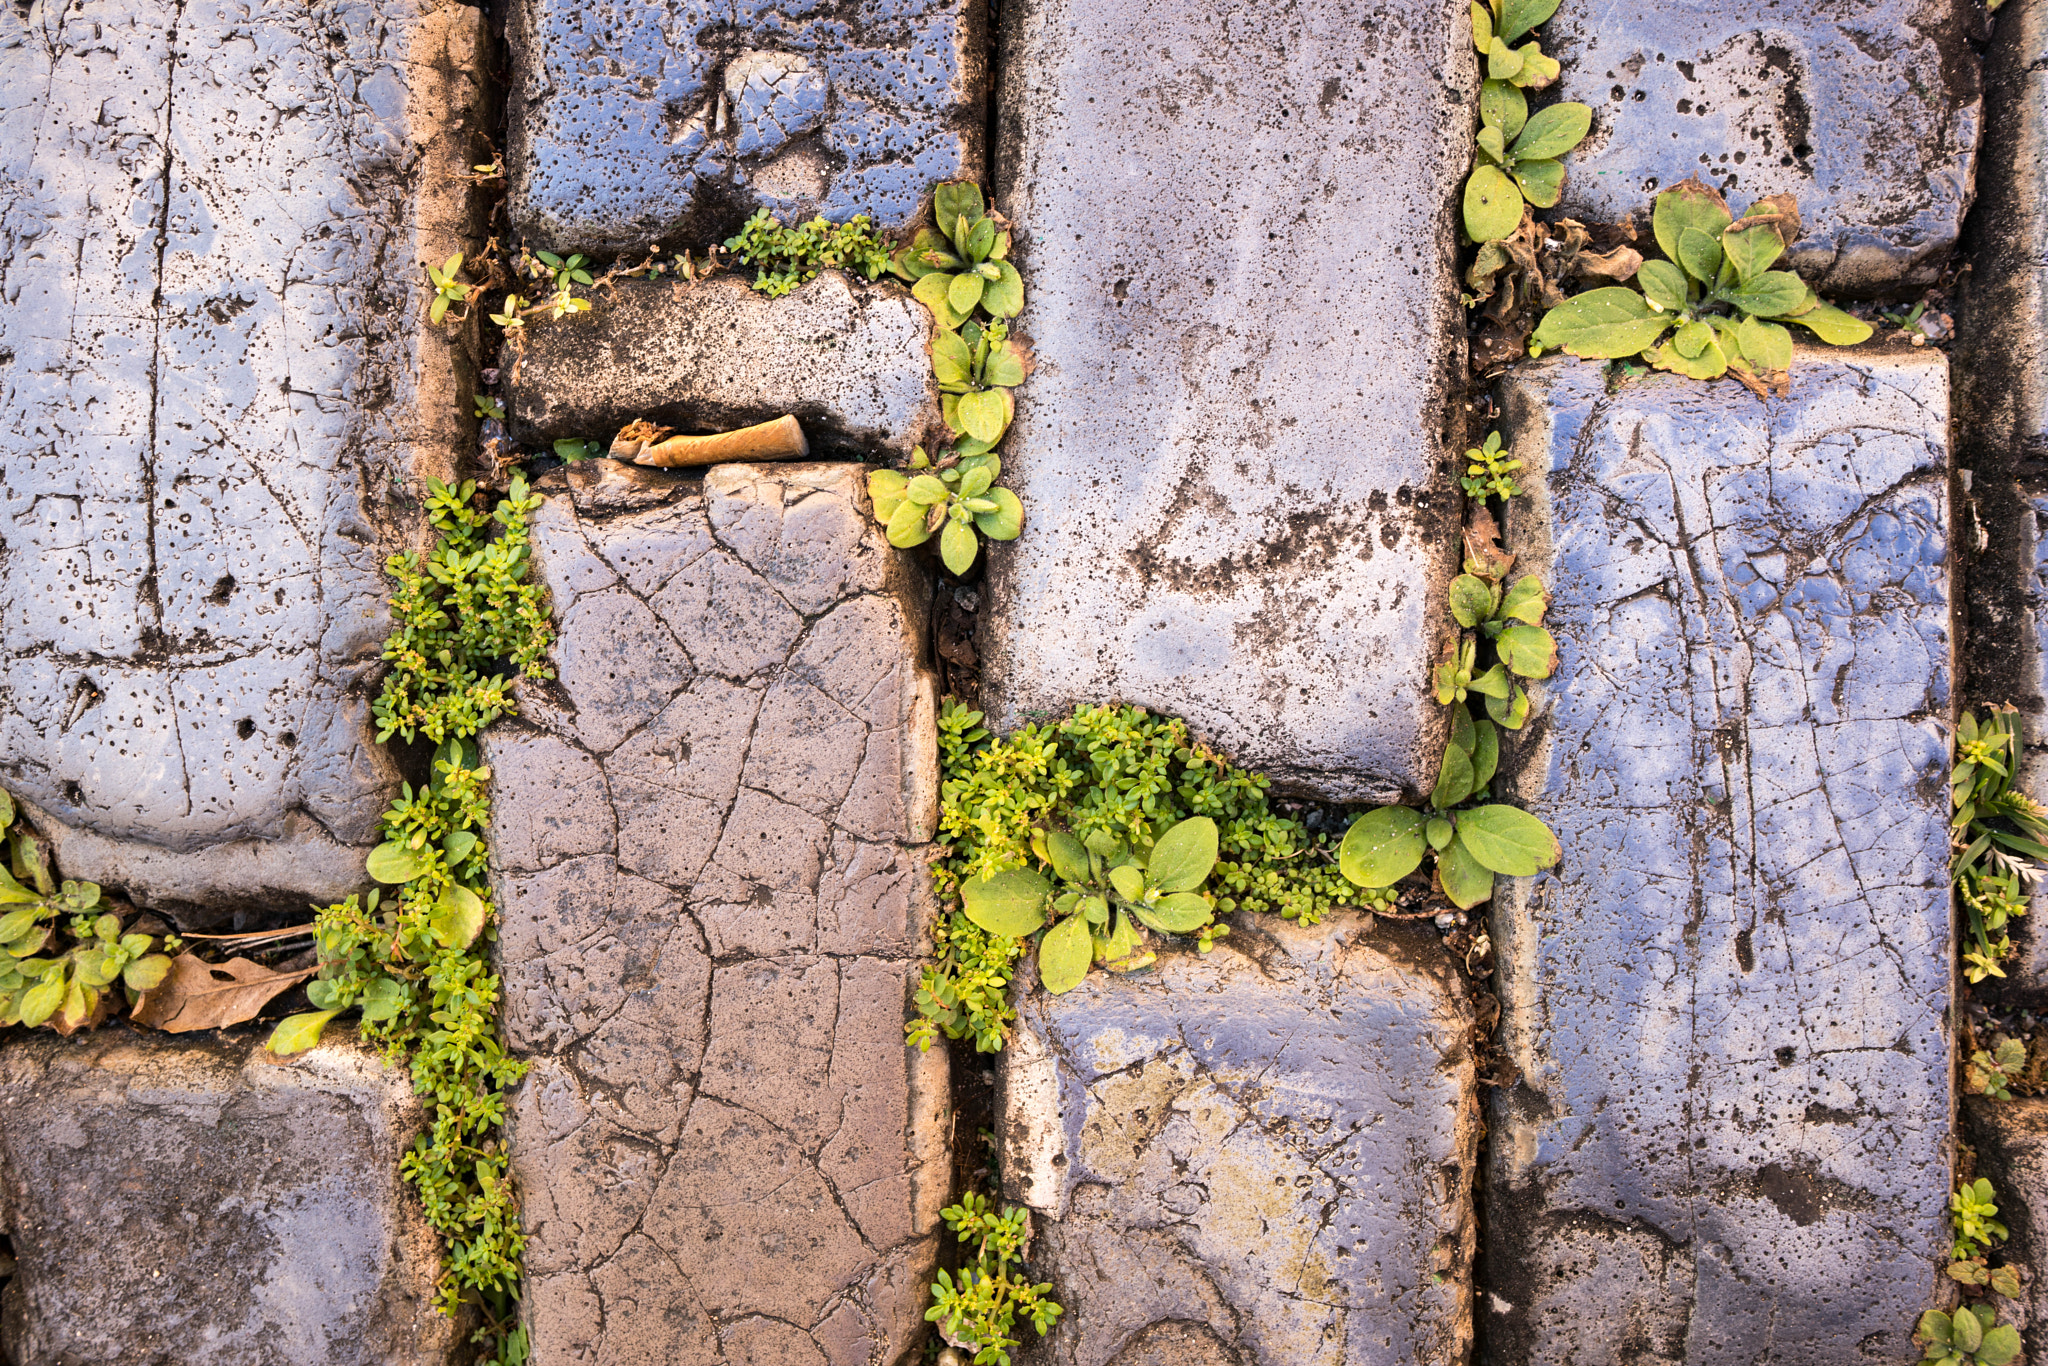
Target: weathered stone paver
pixel 850 360
pixel 197 1203
pixel 1261 1155
pixel 1730 1138
pixel 218 377
pixel 1869 111
pixel 1230 455
pixel 637 121
pixel 714 906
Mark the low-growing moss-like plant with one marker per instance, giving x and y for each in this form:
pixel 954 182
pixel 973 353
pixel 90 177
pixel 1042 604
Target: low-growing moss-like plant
pixel 416 962
pixel 954 498
pixel 1998 834
pixel 1520 156
pixel 68 989
pixel 1113 778
pixel 1490 471
pixel 1713 306
pixel 978 1311
pixel 784 258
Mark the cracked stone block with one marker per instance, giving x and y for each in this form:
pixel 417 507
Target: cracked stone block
pixel 1729 1004
pixel 200 1203
pixel 637 122
pixel 1255 1156
pixel 849 359
pixel 1763 99
pixel 2011 1141
pixel 214 372
pixel 1237 498
pixel 711 837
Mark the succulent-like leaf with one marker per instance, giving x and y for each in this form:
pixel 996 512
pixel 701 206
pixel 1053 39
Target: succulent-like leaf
pixel 1503 63
pixel 1482 26
pixel 1752 249
pixel 1508 840
pixel 1004 366
pixel 1526 600
pixel 1473 600
pixel 963 293
pixel 958 545
pixel 458 917
pixel 1503 107
pixel 952 362
pixel 1382 846
pixel 1003 296
pixel 1833 326
pixel 985 414
pixel 1493 205
pixel 1485 753
pixel 1553 131
pixel 1438 832
pixel 1771 294
pixel 1493 683
pixel 1006 521
pixel 1602 324
pixel 1692 338
pixel 16 924
pixel 934 291
pixel 1542 182
pixel 146 973
pixel 1183 856
pixel 297 1033
pixel 1064 955
pixel 974 482
pixel 1664 285
pixel 1688 204
pixel 1537 70
pixel 1180 913
pixel 394 862
pixel 1464 881
pixel 1010 903
pixel 1492 145
pixel 1710 363
pixel 981 239
pixel 383 998
pixel 1128 881
pixel 1511 714
pixel 1517 17
pixel 926 490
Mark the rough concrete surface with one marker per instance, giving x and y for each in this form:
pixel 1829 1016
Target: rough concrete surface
pixel 199 1203
pixel 714 906
pixel 636 121
pixel 1730 1141
pixel 1762 98
pixel 216 372
pixel 850 360
pixel 1262 1155
pixel 1230 455
pixel 2011 1141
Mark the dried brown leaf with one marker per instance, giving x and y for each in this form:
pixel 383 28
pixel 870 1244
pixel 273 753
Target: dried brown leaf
pixel 1617 265
pixel 1483 555
pixel 202 995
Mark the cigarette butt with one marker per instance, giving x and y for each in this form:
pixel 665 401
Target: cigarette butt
pixel 778 439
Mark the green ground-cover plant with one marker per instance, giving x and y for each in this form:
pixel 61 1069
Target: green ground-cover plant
pixel 1992 1071
pixel 961 273
pixel 1490 471
pixel 1111 778
pixel 954 497
pixel 979 1310
pixel 784 258
pixel 1999 835
pixel 415 961
pixel 1520 155
pixel 1713 306
pixel 1972 1335
pixel 40 984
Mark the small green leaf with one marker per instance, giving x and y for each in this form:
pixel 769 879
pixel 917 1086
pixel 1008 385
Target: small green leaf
pixel 1492 145
pixel 1454 777
pixel 956 199
pixel 40 1001
pixel 1503 107
pixel 1542 182
pixel 1688 204
pixel 2000 1345
pixel 981 239
pixel 1833 326
pixel 1184 855
pixel 1765 345
pixel 1011 904
pixel 1710 363
pixel 963 293
pixel 974 482
pixel 1526 601
pixel 952 363
pixel 958 545
pixel 1438 832
pixel 1464 881
pixel 1965 1331
pixel 1485 753
pixel 458 917
pixel 297 1033
pixel 1482 26
pixel 1005 366
pixel 1382 846
pixel 1503 63
pixel 1663 284
pixel 1493 206
pixel 908 525
pixel 1493 683
pixel 1602 324
pixel 1700 254
pixel 1517 17
pixel 383 998
pixel 887 489
pixel 1753 249
pixel 1472 600
pixel 1553 131
pixel 1064 955
pixel 926 490
pixel 985 414
pixel 1003 296
pixel 1508 840
pixel 1181 913
pixel 16 924
pixel 1770 295
pixel 934 291
pixel 1537 70
pixel 1692 338
pixel 1128 881
pixel 1528 651
pixel 1069 856
pixel 393 862
pixel 1934 1326
pixel 13 892
pixel 1006 521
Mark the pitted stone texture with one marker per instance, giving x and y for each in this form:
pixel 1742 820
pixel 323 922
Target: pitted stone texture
pixel 850 361
pixel 1762 99
pixel 216 370
pixel 710 870
pixel 642 121
pixel 1262 1155
pixel 1237 505
pixel 2011 1141
pixel 1728 1005
pixel 199 1203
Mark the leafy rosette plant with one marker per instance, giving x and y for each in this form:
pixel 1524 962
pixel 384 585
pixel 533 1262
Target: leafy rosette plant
pixel 976 368
pixel 963 265
pixel 1107 896
pixel 953 499
pixel 1497 26
pixel 1520 158
pixel 1714 306
pixel 1972 1336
